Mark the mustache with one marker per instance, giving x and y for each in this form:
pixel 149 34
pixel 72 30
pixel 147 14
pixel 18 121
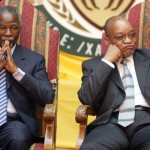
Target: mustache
pixel 7 38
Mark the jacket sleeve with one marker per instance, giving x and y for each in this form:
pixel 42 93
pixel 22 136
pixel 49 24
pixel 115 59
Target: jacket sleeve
pixel 36 83
pixel 94 82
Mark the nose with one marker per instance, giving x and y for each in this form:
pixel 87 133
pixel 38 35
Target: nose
pixel 127 40
pixel 8 32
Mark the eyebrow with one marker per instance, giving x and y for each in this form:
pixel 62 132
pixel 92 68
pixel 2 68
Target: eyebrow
pixel 128 32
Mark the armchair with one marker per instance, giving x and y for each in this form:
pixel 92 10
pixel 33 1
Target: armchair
pixel 37 35
pixel 139 18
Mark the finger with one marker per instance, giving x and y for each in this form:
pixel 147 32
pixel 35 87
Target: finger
pixel 1 52
pixel 4 53
pixel 5 45
pixel 119 58
pixel 7 42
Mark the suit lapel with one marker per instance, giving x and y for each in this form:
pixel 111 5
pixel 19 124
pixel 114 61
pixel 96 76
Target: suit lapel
pixel 20 61
pixel 141 68
pixel 19 57
pixel 115 76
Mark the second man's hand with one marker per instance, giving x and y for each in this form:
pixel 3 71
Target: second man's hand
pixel 113 54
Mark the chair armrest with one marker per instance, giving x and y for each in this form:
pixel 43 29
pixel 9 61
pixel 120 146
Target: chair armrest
pixel 48 128
pixel 49 113
pixel 82 118
pixel 82 113
pixel 49 118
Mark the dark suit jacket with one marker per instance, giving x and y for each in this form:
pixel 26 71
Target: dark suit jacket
pixel 102 86
pixel 33 88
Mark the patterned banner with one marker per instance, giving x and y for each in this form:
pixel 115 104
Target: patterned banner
pixel 81 22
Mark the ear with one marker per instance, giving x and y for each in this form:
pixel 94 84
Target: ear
pixel 107 41
pixel 20 27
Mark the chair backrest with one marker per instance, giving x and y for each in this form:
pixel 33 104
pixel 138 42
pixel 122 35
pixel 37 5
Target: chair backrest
pixel 37 36
pixel 140 20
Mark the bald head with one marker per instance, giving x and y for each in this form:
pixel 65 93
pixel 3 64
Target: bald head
pixel 113 20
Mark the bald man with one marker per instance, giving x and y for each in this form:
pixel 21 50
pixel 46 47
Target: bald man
pixel 102 88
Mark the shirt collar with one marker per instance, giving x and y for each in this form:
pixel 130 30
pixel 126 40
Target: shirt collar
pixel 130 58
pixel 13 49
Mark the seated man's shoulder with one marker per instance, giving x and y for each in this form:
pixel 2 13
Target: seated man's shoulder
pixel 29 52
pixel 93 60
pixel 145 52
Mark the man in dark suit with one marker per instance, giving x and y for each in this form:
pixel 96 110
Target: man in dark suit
pixel 102 88
pixel 27 84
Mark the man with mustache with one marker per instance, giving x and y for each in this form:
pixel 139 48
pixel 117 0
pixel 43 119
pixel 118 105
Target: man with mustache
pixel 104 88
pixel 24 84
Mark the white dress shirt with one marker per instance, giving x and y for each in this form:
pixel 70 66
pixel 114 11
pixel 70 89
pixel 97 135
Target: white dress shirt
pixel 139 99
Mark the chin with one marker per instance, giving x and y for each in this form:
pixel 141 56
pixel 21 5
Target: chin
pixel 129 52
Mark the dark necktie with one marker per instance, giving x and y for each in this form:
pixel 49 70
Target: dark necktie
pixel 127 108
pixel 3 97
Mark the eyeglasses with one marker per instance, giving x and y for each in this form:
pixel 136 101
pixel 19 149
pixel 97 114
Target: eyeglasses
pixel 131 36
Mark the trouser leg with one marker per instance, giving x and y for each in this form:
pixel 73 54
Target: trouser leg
pixel 105 137
pixel 15 135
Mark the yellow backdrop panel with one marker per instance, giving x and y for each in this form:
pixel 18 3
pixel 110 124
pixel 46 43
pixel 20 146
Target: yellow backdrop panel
pixel 69 83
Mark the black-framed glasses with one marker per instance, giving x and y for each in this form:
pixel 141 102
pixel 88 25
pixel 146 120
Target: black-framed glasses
pixel 131 36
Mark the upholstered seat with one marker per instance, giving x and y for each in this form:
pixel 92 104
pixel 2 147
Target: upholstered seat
pixel 140 19
pixel 37 36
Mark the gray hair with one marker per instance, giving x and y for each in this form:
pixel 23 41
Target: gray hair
pixel 11 10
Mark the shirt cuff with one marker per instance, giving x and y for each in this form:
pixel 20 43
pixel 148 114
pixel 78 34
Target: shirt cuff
pixel 19 74
pixel 108 62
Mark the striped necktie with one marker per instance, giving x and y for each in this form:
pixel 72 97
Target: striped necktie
pixel 3 97
pixel 127 108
